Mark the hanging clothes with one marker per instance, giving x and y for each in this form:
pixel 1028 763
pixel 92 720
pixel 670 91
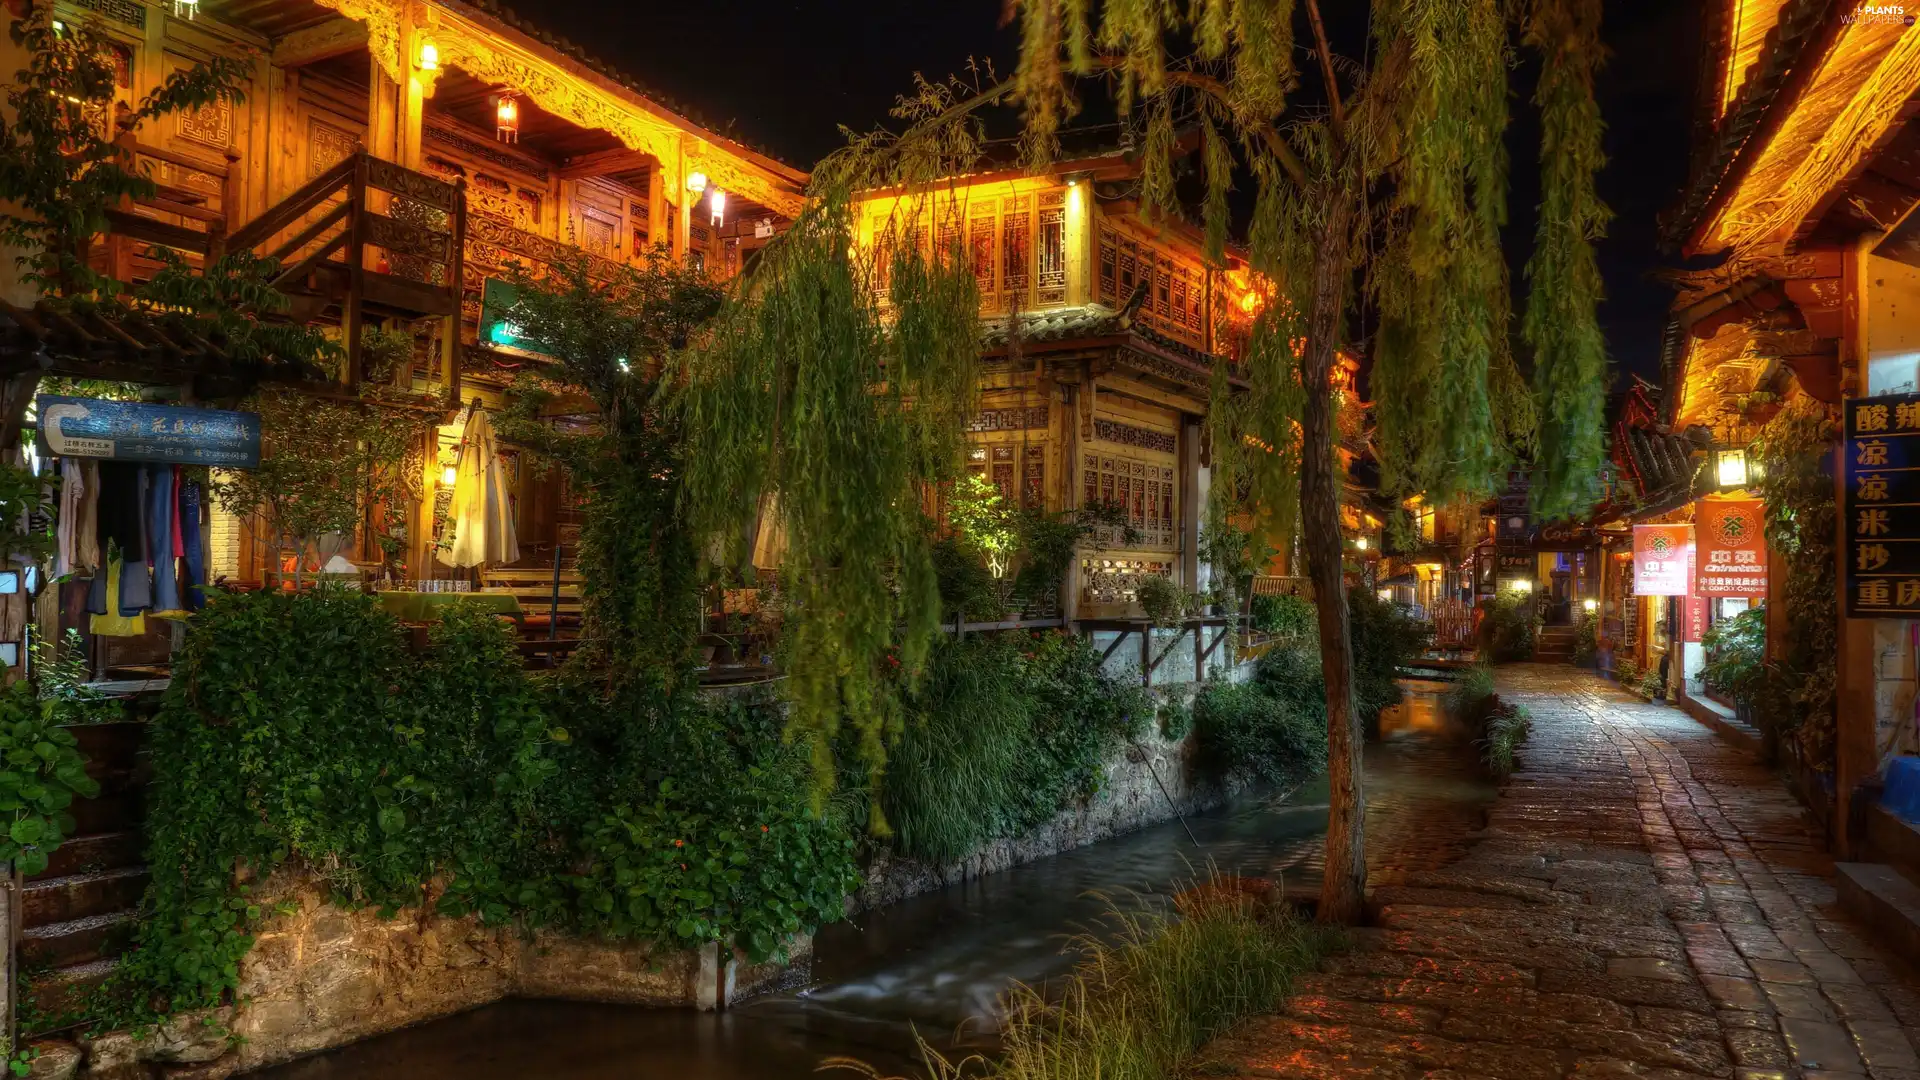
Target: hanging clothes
pixel 193 559
pixel 161 508
pixel 482 511
pixel 66 525
pixel 87 530
pixel 132 625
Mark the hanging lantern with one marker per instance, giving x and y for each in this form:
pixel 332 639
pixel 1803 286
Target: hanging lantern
pixel 1733 468
pixel 696 182
pixel 506 120
pixel 717 203
pixel 185 8
pixel 429 54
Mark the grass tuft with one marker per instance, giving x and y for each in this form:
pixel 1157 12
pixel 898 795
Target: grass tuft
pixel 1507 728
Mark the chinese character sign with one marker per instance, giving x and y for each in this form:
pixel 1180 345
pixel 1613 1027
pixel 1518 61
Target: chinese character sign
pixel 1881 456
pixel 139 431
pixel 1732 558
pixel 1693 613
pixel 1662 559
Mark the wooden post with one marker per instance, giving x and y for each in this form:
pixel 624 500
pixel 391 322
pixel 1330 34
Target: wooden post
pixel 1199 654
pixel 456 286
pixel 356 269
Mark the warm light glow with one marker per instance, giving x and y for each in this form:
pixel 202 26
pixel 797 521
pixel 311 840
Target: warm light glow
pixel 1386 594
pixel 449 476
pixel 717 203
pixel 429 52
pixel 1733 468
pixel 185 8
pixel 1360 542
pixel 1250 303
pixel 506 120
pixel 1590 604
pixel 1520 585
pixel 696 182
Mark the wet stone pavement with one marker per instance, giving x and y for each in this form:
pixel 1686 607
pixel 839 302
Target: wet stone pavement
pixel 1644 902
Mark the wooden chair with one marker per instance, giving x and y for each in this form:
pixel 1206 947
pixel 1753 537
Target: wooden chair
pixel 534 587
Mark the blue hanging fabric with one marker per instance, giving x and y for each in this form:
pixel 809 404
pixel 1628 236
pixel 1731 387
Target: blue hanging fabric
pixel 136 574
pixel 160 510
pixel 193 558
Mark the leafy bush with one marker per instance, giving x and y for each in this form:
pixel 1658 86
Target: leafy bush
pixel 966 586
pixel 1586 639
pixel 1467 697
pixel 1176 720
pixel 1736 655
pixel 1161 600
pixel 1286 615
pixel 1005 731
pixel 1272 728
pixel 1507 727
pixel 1143 999
pixel 298 729
pixel 43 773
pixel 1506 629
pixel 1385 637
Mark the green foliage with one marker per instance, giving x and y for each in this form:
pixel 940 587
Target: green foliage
pixel 801 393
pixel 233 302
pixel 1385 637
pixel 966 586
pixel 1795 454
pixel 611 343
pixel 25 499
pixel 1003 732
pixel 1561 325
pixel 40 774
pixel 1586 638
pixel 1231 553
pixel 323 464
pixel 299 731
pixel 1273 728
pixel 61 675
pixel 1737 655
pixel 984 522
pixel 1467 697
pixel 59 169
pixel 1176 720
pixel 1161 599
pixel 1507 626
pixel 1507 726
pixel 1286 615
pixel 1148 995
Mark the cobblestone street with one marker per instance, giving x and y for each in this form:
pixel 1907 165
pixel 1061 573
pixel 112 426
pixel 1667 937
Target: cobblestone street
pixel 1645 902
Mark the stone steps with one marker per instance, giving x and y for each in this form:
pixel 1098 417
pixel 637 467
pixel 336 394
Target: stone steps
pixel 78 896
pixel 57 994
pixel 1885 899
pixel 76 942
pixel 95 852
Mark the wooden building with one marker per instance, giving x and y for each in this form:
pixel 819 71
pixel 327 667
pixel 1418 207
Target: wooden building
pixel 397 156
pixel 1802 196
pixel 1102 333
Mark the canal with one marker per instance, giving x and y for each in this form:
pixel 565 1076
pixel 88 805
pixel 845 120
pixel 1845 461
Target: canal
pixel 932 967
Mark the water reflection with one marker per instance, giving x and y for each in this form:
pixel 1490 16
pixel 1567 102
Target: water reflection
pixel 934 965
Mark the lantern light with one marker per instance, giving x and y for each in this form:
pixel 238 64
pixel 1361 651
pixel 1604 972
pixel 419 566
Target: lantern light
pixel 1386 594
pixel 696 182
pixel 429 54
pixel 1360 542
pixel 1733 468
pixel 1590 604
pixel 185 8
pixel 1520 585
pixel 717 203
pixel 449 476
pixel 506 120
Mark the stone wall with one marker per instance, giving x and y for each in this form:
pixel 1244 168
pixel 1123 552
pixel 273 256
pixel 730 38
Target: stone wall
pixel 322 976
pixel 1129 799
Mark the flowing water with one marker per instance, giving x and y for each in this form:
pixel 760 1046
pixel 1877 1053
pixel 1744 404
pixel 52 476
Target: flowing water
pixel 933 966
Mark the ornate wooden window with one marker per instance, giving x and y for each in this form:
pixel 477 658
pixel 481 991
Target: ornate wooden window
pixel 1050 267
pixel 1143 490
pixel 1176 299
pixel 1106 579
pixel 1016 249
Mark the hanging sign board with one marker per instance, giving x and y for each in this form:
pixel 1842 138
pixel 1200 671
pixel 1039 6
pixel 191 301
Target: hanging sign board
pixel 139 431
pixel 1732 543
pixel 1881 456
pixel 1693 615
pixel 1660 559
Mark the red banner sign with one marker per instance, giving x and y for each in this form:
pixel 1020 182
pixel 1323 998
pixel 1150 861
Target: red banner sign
pixel 1693 612
pixel 1733 548
pixel 1660 559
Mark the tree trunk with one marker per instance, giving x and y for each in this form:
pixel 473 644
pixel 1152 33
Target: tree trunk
pixel 1342 891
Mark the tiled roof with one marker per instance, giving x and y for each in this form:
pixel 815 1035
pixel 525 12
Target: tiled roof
pixel 1087 321
pixel 593 63
pixel 1663 462
pixel 1800 20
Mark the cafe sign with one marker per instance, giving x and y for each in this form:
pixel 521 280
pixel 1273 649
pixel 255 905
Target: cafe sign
pixel 1662 562
pixel 1881 456
pixel 142 431
pixel 1732 557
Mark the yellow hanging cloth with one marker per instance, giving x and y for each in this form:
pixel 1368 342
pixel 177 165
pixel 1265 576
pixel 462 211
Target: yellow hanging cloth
pixel 114 624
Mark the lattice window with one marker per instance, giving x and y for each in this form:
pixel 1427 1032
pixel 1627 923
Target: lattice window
pixel 1109 580
pixel 1002 474
pixel 1016 249
pixel 1050 271
pixel 980 248
pixel 1176 299
pixel 1036 476
pixel 1143 490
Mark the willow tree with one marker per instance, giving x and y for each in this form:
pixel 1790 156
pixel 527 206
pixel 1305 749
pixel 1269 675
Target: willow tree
pixel 1378 204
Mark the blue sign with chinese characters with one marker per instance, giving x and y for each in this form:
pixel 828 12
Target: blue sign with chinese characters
pixel 1882 506
pixel 139 431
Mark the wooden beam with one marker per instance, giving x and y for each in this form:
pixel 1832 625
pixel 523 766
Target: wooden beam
pixel 335 37
pixel 605 163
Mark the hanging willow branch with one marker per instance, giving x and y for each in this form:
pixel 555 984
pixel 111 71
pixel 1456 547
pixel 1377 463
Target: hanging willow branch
pixel 801 395
pixel 1570 355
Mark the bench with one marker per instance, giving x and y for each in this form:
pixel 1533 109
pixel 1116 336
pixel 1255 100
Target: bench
pixel 533 587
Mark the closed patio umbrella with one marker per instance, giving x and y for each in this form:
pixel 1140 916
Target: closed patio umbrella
pixel 482 513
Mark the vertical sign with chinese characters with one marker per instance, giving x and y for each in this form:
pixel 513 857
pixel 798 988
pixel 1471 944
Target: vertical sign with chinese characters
pixel 1732 559
pixel 1882 461
pixel 1662 559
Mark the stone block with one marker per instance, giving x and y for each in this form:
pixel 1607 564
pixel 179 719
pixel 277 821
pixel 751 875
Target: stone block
pixel 54 1059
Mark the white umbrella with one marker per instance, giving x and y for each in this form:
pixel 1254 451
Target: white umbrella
pixel 482 520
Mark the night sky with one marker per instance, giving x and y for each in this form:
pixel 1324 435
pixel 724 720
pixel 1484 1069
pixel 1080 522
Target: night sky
pixel 785 76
